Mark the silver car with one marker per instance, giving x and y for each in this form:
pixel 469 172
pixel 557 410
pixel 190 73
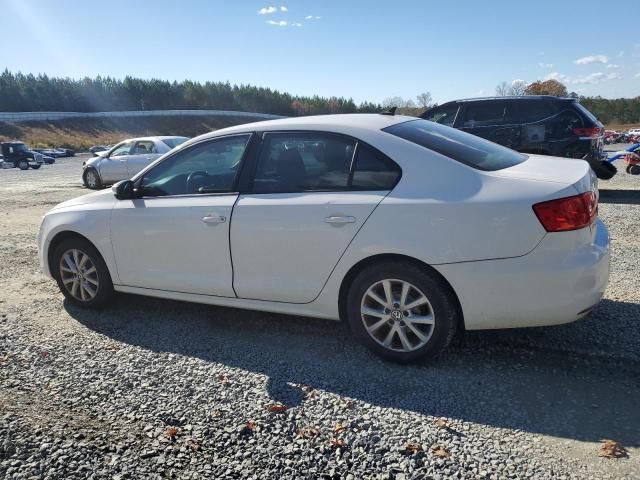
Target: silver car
pixel 125 159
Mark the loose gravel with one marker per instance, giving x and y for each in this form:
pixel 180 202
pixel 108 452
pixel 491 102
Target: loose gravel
pixel 151 388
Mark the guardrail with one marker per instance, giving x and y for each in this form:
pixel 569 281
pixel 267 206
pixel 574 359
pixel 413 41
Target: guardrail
pixel 35 116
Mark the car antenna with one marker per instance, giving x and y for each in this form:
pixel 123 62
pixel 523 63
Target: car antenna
pixel 391 111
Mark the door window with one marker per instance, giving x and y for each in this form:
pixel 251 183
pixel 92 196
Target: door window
pixel 299 162
pixel 444 115
pixel 207 167
pixel 144 147
pixel 373 170
pixel 528 111
pixel 483 113
pixel 122 149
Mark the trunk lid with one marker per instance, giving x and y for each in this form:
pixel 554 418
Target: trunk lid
pixel 564 171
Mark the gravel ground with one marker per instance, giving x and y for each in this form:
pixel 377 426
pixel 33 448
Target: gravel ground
pixel 159 389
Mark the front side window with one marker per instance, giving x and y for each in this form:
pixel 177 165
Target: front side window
pixel 122 149
pixel 208 167
pixel 444 115
pixel 463 147
pixel 298 162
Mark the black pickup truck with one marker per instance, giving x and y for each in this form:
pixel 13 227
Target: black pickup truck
pixel 18 155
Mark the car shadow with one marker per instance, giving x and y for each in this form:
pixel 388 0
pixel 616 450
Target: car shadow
pixel 520 379
pixel 630 197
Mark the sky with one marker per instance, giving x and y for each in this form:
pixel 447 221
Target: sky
pixel 366 50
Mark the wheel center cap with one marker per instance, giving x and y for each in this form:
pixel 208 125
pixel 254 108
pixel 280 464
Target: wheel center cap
pixel 396 314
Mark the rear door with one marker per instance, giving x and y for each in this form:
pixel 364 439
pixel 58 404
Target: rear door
pixel 310 194
pixel 142 154
pixel 484 118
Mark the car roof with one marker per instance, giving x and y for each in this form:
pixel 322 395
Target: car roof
pixel 342 123
pixel 513 97
pixel 152 138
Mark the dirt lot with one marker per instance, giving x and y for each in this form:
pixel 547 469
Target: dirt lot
pixel 94 395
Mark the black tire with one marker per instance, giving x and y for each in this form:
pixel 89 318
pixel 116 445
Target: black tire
pixel 87 179
pixel 441 301
pixel 104 290
pixel 604 170
pixel 35 167
pixel 633 169
pixel 23 165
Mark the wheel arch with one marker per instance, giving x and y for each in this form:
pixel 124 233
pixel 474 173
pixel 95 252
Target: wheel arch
pixel 57 240
pixel 347 280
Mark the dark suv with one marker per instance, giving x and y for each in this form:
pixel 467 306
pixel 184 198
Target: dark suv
pixel 543 125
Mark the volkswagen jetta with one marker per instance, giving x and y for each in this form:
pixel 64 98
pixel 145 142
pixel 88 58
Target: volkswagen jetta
pixel 407 229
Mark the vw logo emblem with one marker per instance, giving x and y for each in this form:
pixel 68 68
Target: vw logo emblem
pixel 396 314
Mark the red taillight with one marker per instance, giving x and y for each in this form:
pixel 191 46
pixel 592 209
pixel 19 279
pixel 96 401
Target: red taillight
pixel 569 213
pixel 594 132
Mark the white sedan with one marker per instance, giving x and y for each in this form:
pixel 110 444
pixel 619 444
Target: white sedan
pixel 407 229
pixel 125 159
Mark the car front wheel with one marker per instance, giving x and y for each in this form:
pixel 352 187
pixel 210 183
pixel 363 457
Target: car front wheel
pixel 81 273
pixel 91 179
pixel 402 312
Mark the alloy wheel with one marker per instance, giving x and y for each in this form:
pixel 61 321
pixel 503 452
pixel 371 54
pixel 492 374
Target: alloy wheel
pixel 92 179
pixel 79 275
pixel 397 315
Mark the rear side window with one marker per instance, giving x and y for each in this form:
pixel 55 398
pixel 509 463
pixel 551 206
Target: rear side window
pixel 373 170
pixel 528 111
pixel 445 114
pixel 457 145
pixel 482 114
pixel 589 116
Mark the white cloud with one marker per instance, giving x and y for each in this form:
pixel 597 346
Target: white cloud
pixel 280 23
pixel 545 65
pixel 284 9
pixel 637 75
pixel 592 59
pixel 597 77
pixel 558 77
pixel 267 10
pixel 312 17
pixel 296 24
pixel 613 65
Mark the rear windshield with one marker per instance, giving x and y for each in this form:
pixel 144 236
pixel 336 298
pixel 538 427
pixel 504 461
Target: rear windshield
pixel 592 118
pixel 175 141
pixel 460 146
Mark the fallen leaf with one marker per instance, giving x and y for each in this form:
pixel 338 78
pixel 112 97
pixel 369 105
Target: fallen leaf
pixel 412 448
pixel 612 449
pixel 171 433
pixel 222 378
pixel 308 432
pixel 337 443
pixel 251 425
pixel 440 452
pixel 348 404
pixel 276 408
pixel 442 423
pixel 339 428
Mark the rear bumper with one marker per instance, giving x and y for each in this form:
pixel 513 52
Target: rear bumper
pixel 558 282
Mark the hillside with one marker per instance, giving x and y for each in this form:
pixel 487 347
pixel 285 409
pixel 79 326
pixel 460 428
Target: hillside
pixel 80 134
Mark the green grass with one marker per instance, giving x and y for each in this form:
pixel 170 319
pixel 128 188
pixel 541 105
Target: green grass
pixel 80 134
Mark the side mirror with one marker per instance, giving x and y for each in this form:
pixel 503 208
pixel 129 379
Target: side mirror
pixel 124 190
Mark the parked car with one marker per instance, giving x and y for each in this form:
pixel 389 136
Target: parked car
pixel 634 132
pixel 98 148
pixel 125 160
pixel 48 160
pixel 17 154
pixel 543 125
pixel 407 229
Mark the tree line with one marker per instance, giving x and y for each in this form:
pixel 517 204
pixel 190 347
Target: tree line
pixel 24 93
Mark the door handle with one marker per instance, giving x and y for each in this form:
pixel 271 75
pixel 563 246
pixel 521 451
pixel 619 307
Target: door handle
pixel 340 219
pixel 213 219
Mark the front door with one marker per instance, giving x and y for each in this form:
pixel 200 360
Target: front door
pixel 113 167
pixel 311 194
pixel 176 237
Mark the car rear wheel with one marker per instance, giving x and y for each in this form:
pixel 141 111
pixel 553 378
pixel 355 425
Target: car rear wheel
pixel 23 165
pixel 81 273
pixel 402 312
pixel 91 179
pixel 35 167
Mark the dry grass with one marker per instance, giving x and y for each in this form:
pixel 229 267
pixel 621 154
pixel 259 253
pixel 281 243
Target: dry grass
pixel 80 134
